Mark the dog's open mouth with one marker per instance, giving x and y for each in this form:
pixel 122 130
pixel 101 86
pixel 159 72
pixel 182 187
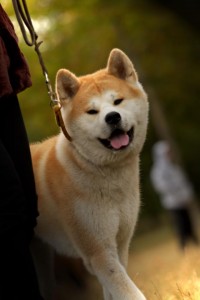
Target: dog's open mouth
pixel 118 140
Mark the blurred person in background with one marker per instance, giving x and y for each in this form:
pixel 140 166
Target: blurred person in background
pixel 18 199
pixel 175 191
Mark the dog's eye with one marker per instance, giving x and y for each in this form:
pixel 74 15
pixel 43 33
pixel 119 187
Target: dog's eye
pixel 92 112
pixel 118 101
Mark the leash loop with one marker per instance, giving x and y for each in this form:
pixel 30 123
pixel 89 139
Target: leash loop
pixel 25 23
pixel 23 18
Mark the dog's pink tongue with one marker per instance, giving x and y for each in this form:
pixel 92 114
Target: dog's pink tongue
pixel 119 141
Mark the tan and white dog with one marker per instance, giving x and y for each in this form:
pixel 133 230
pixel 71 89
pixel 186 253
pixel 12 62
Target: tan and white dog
pixel 89 188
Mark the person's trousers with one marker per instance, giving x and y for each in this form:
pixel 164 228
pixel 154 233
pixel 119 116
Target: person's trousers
pixel 184 226
pixel 18 206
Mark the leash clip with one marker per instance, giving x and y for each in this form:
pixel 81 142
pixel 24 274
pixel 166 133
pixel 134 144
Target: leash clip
pixel 56 106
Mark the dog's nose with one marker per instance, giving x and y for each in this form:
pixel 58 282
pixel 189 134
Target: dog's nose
pixel 113 118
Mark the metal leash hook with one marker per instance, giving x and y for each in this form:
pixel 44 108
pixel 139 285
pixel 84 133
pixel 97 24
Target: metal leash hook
pixel 56 106
pixel 25 22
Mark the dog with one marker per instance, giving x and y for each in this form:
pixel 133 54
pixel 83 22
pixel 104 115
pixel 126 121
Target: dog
pixel 88 187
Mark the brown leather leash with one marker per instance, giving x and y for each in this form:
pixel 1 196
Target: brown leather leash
pixel 25 24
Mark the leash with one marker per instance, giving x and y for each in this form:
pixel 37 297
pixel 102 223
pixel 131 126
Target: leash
pixel 25 24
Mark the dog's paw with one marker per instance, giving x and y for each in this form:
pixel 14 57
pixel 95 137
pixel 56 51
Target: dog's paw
pixel 139 296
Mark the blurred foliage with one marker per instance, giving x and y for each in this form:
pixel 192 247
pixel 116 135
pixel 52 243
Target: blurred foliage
pixel 79 35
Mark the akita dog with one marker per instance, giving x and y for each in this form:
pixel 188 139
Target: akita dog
pixel 88 188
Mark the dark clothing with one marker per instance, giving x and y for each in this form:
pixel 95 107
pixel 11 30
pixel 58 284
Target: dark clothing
pixel 14 73
pixel 183 226
pixel 18 211
pixel 18 199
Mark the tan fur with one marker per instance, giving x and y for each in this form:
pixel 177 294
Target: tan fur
pixel 89 194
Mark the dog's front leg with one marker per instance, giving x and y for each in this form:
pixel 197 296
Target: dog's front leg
pixel 113 277
pixel 123 251
pixel 106 294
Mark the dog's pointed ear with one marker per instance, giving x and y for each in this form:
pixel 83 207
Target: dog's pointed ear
pixel 120 66
pixel 67 84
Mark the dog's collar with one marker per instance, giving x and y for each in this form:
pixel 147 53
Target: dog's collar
pixel 57 110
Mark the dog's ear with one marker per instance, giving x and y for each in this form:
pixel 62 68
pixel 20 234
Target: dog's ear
pixel 120 66
pixel 67 84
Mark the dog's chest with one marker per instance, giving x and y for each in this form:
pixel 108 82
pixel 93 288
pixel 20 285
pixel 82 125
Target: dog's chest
pixel 110 203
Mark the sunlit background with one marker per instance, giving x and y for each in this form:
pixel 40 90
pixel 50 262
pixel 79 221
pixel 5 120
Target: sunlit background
pixel 163 40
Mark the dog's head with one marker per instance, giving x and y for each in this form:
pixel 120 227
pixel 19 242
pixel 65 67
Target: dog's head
pixel 106 112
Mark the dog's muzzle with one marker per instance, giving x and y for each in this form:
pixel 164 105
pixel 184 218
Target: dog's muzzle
pixel 119 139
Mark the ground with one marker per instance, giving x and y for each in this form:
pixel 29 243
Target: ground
pixel 163 271
pixel 156 264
